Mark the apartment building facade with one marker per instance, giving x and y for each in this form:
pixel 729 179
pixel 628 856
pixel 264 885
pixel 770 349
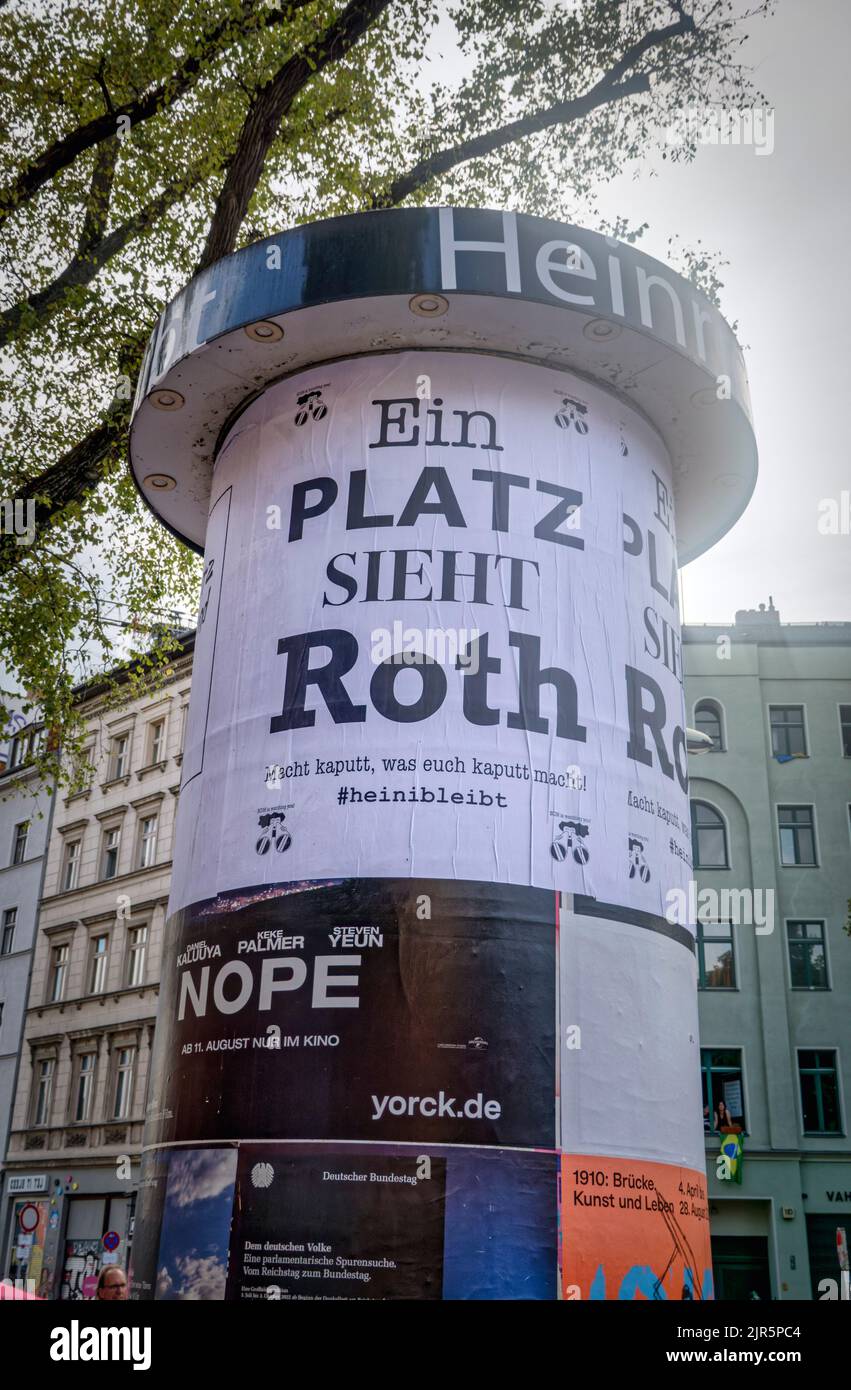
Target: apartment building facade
pixel 771 815
pixel 78 1115
pixel 26 810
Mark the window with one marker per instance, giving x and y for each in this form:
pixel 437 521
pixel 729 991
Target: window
pixel 707 720
pixel 156 741
pixel 819 1092
pixel 24 747
pixel 111 847
pixel 44 1091
pixel 845 729
pixel 19 843
pixel 58 972
pixel 723 1100
pixel 71 867
pixel 137 951
pixel 147 850
pixel 797 835
pixel 98 963
pixel 84 770
pixel 787 731
pixel 7 940
pixel 708 837
pixel 124 1062
pixel 716 967
pixel 184 710
pixel 807 955
pixel 85 1086
pixel 120 761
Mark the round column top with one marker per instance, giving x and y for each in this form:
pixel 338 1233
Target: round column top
pixel 452 279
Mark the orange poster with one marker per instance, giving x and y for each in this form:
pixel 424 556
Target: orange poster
pixel 633 1229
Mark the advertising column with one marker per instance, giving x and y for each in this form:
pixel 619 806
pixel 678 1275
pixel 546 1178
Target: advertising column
pixel 427 1025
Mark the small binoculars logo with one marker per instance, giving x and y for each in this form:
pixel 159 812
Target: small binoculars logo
pixel 569 841
pixel 310 406
pixel 572 412
pixel 273 831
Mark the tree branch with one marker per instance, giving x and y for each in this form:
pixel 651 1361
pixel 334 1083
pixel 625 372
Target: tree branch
pixel 91 257
pixel 654 38
pixel 609 88
pixel 64 151
pixel 81 468
pixel 262 124
pixel 67 481
pixel 563 113
pixel 100 192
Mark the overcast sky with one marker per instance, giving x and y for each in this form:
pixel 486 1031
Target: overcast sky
pixel 782 221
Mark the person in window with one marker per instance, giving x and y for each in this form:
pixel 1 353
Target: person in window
pixel 112 1284
pixel 724 1122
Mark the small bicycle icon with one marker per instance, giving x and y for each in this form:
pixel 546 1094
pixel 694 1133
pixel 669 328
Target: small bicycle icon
pixel 637 862
pixel 310 406
pixel 274 833
pixel 568 842
pixel 572 412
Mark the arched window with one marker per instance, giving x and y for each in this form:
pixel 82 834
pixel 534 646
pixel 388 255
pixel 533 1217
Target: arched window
pixel 708 837
pixel 707 720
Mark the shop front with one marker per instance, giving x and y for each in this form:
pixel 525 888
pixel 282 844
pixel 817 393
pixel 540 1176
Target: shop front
pixel 62 1228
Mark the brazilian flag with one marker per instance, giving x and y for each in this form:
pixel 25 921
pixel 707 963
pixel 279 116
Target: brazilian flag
pixel 733 1150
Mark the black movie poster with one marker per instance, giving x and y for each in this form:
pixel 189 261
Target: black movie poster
pixel 342 1225
pixel 382 1010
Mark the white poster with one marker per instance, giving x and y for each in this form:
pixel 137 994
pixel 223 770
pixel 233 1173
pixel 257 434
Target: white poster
pixel 618 985
pixel 438 638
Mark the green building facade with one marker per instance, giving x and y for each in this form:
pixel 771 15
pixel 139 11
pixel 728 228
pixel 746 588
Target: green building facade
pixel 771 829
